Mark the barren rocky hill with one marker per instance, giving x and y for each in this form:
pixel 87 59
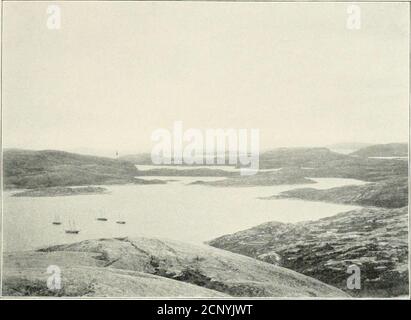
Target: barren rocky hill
pixel 153 267
pixel 375 239
pixel 390 193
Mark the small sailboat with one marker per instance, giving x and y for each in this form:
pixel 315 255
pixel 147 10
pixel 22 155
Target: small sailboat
pixel 57 220
pixel 72 228
pixel 101 217
pixel 120 220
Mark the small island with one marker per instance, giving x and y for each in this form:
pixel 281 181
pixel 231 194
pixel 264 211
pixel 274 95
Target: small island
pixel 60 191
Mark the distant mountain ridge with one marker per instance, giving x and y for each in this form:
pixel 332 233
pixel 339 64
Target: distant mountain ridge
pixel 349 145
pixel 297 157
pixel 383 150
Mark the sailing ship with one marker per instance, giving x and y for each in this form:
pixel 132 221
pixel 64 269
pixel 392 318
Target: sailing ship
pixel 72 228
pixel 101 216
pixel 57 220
pixel 120 221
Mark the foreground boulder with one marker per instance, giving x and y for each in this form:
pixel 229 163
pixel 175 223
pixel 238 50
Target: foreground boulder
pixel 152 267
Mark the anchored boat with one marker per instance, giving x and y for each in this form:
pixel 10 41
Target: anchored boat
pixel 72 228
pixel 57 220
pixel 120 220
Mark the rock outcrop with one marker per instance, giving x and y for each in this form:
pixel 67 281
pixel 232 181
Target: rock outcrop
pixel 375 239
pixel 391 193
pixel 153 267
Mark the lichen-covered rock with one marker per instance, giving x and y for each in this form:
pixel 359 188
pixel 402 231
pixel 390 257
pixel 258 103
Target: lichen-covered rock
pixel 375 239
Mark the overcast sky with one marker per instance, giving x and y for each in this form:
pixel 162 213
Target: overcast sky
pixel 115 72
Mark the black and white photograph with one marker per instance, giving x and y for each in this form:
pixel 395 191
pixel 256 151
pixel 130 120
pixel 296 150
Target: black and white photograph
pixel 205 150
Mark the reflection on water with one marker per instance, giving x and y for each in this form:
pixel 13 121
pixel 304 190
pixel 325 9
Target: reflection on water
pixel 174 210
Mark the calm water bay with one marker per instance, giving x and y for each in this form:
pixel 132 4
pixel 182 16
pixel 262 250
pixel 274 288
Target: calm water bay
pixel 176 210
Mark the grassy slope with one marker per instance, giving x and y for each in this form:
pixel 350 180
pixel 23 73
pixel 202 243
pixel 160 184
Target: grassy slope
pixel 373 238
pixel 91 264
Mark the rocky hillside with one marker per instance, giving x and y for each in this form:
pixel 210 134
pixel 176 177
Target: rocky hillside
pixel 383 150
pixel 50 168
pixel 153 267
pixel 323 163
pixel 391 193
pixel 297 165
pixel 375 239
